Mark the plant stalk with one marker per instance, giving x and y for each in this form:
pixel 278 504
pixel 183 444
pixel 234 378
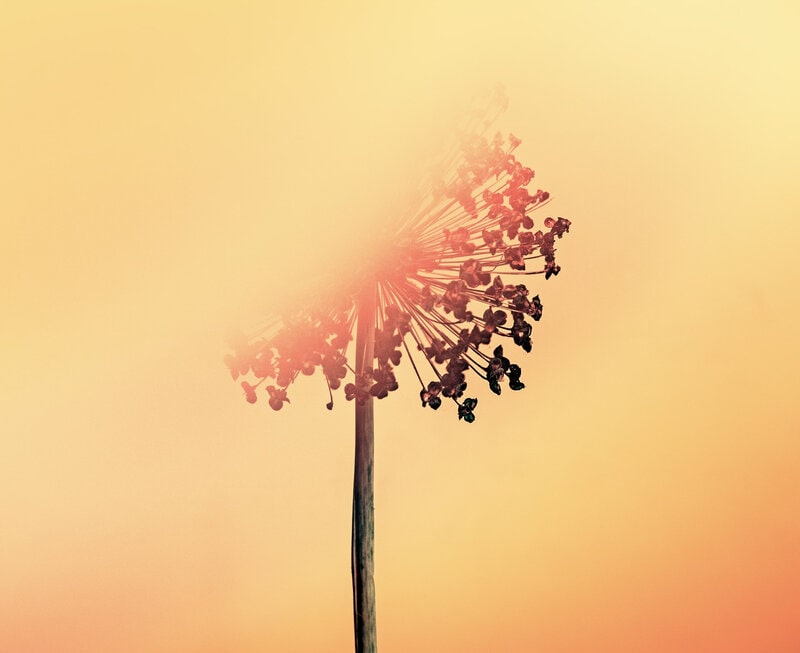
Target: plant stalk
pixel 363 534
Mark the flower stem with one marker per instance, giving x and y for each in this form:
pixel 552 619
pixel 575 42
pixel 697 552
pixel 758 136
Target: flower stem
pixel 363 534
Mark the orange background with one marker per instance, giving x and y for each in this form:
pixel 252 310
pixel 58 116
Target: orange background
pixel 169 170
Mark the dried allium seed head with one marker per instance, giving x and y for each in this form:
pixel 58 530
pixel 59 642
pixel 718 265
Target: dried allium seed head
pixel 440 298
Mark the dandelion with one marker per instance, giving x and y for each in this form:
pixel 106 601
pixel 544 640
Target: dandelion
pixel 444 294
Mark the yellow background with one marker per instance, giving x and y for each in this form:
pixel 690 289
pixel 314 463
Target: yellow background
pixel 169 170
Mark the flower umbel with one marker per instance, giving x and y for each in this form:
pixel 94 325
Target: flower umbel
pixel 440 298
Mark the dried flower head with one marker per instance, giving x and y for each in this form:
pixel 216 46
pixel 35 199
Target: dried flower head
pixel 445 291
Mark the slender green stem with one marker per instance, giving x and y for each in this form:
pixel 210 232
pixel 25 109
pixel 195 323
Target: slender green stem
pixel 363 535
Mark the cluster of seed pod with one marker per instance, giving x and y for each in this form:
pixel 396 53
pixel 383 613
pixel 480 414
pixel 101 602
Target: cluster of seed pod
pixel 447 260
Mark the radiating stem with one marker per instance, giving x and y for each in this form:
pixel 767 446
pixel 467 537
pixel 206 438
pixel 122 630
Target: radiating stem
pixel 363 535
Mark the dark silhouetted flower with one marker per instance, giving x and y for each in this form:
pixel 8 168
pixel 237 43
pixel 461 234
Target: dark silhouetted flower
pixel 465 410
pixel 276 397
pixel 249 392
pixel 441 290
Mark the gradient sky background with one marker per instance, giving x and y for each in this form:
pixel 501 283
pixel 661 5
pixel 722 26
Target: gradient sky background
pixel 170 170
